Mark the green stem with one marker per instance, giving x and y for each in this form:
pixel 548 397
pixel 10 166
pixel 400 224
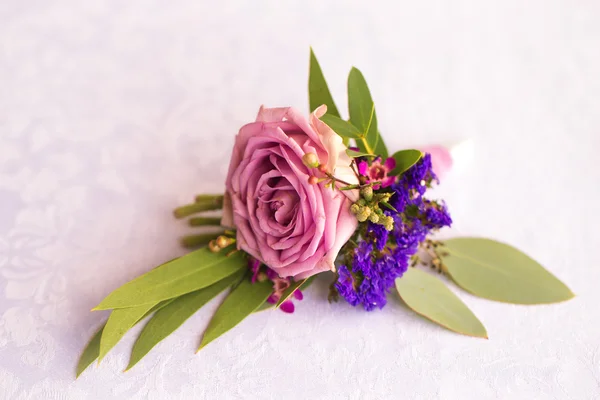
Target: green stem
pixel 191 241
pixel 189 209
pixel 204 221
pixel 210 198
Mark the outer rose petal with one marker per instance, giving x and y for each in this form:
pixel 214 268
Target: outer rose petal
pixel 339 162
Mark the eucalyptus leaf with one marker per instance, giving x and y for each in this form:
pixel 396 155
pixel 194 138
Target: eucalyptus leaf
pixel 241 302
pixel 428 296
pixel 404 160
pixel 90 354
pixel 318 92
pixel 363 116
pixel 118 323
pixel 195 270
pixel 354 154
pixel 500 272
pixel 341 127
pixel 296 285
pixel 171 317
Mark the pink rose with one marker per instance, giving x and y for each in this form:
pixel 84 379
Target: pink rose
pixel 296 228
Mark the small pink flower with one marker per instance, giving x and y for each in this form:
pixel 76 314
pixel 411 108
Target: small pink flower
pixel 378 172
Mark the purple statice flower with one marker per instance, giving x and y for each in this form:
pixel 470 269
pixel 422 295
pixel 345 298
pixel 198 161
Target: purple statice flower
pixel 378 235
pixel 370 278
pixel 419 176
pixel 436 215
pixel 378 172
pixel 345 286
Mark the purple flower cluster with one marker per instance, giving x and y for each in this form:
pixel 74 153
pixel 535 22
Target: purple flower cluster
pixel 370 277
pixel 382 256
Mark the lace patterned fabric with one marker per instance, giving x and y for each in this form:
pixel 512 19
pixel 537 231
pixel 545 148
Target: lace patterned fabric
pixel 113 113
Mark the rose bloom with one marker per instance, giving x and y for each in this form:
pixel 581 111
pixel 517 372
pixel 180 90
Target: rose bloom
pixel 296 228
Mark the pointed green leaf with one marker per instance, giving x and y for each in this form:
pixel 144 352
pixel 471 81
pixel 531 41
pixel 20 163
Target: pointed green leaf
pixel 296 285
pixel 195 270
pixel 90 354
pixel 428 296
pixel 404 160
pixel 354 154
pixel 318 92
pixel 500 272
pixel 171 317
pixel 92 351
pixel 265 306
pixel 241 302
pixel 363 115
pixel 341 127
pixel 118 323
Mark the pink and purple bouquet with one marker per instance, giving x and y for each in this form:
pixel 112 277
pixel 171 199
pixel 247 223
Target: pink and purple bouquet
pixel 321 195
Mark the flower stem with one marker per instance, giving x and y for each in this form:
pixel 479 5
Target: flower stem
pixel 192 241
pixel 204 221
pixel 201 204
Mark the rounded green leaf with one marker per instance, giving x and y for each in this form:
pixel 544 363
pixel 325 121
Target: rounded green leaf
pixel 404 160
pixel 243 300
pixel 428 296
pixel 500 272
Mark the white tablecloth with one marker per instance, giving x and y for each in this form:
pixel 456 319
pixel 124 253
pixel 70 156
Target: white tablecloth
pixel 113 113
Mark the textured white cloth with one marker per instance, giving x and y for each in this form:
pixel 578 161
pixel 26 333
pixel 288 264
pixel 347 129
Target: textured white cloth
pixel 113 113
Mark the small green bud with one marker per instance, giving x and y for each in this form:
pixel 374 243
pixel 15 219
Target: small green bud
pixel 361 202
pixel 374 218
pixel 363 214
pixel 389 223
pixel 311 160
pixel 367 193
pixel 354 208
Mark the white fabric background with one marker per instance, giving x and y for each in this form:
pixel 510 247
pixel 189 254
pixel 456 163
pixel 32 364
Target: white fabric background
pixel 112 113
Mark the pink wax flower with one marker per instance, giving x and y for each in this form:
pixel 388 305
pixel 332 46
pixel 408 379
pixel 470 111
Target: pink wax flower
pixel 378 172
pixel 284 215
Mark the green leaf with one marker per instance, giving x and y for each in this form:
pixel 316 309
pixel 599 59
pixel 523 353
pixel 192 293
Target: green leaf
pixel 388 206
pixel 318 92
pixel 354 154
pixel 90 354
pixel 171 317
pixel 404 160
pixel 428 296
pixel 195 270
pixel 292 288
pixel 243 301
pixel 92 351
pixel 118 323
pixel 341 127
pixel 265 306
pixel 500 272
pixel 363 115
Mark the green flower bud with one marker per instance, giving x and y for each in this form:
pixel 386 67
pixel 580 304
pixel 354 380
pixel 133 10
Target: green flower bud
pixel 311 160
pixel 363 214
pixel 389 223
pixel 361 202
pixel 374 218
pixel 354 208
pixel 367 193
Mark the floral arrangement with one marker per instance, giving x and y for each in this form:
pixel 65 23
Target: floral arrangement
pixel 320 195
